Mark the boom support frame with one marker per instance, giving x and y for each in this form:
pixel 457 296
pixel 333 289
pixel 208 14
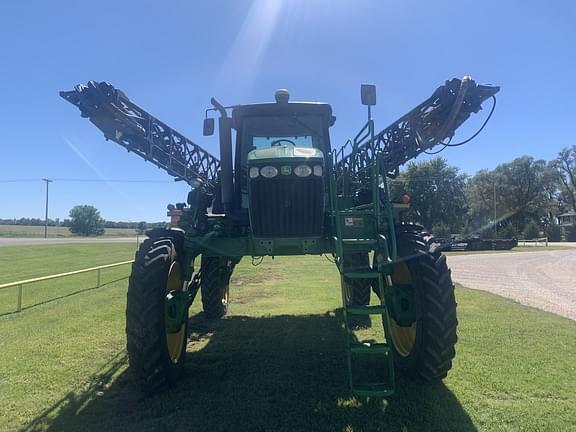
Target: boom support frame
pixel 129 125
pixel 429 124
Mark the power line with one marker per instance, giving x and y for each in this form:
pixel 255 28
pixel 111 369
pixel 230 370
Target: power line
pixel 79 180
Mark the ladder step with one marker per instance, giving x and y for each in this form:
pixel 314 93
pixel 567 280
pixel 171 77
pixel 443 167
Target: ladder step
pixel 362 274
pixel 358 241
pixel 374 390
pixel 365 310
pixel 355 212
pixel 374 348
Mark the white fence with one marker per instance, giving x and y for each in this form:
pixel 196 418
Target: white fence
pixel 543 241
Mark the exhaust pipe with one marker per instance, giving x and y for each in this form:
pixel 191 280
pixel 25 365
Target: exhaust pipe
pixel 226 168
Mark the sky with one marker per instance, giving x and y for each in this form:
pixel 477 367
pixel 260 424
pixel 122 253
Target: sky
pixel 171 57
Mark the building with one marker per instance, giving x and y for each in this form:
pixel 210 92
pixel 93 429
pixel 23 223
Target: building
pixel 567 219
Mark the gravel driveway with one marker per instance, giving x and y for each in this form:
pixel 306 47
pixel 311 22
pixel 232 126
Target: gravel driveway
pixel 545 280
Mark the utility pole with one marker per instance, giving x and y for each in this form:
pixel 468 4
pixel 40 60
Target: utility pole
pixel 495 229
pixel 48 181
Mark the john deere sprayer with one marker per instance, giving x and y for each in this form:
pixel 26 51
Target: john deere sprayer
pixel 282 189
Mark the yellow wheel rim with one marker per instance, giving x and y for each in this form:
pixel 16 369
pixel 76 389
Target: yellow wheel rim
pixel 175 341
pixel 225 295
pixel 403 338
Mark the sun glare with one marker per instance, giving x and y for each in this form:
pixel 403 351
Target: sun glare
pixel 248 50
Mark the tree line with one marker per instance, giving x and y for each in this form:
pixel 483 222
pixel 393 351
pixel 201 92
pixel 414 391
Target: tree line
pixel 85 220
pixel 68 222
pixel 521 198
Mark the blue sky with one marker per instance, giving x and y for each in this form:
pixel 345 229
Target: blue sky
pixel 170 57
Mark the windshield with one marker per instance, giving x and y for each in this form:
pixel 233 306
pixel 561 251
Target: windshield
pixel 297 141
pixel 261 132
pixel 265 131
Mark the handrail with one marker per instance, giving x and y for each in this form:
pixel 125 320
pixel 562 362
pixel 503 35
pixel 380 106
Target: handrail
pixel 43 278
pixel 535 241
pixel 20 284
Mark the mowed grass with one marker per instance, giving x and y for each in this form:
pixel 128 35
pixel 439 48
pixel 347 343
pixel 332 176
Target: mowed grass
pixel 29 262
pixel 277 363
pixel 38 231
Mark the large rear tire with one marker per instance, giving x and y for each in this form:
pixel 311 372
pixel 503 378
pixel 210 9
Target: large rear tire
pixel 426 348
pixel 215 284
pixel 155 355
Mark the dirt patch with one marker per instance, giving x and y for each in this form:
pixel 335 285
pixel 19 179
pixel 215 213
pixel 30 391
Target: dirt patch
pixel 245 280
pixel 260 277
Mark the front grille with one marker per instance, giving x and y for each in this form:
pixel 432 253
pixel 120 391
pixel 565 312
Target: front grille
pixel 286 206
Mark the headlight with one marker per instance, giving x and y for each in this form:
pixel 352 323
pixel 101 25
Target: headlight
pixel 254 172
pixel 318 170
pixel 302 170
pixel 268 171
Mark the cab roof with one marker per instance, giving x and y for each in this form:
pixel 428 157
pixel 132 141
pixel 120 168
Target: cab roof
pixel 282 109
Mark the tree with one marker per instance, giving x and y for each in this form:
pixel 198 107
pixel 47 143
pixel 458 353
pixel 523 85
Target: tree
pixel 571 233
pixel 553 232
pixel 565 165
pixel 85 220
pixel 437 194
pixel 141 228
pixel 441 230
pixel 480 196
pixel 531 231
pixel 519 192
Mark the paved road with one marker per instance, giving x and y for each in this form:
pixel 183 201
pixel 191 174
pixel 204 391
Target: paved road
pixel 64 240
pixel 545 280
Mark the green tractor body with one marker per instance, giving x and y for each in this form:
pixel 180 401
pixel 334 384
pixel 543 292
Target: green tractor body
pixel 284 190
pixel 278 203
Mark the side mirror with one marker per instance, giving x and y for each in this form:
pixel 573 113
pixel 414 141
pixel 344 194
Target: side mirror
pixel 208 129
pixel 368 94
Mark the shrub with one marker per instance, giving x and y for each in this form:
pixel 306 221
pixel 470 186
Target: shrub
pixel 531 231
pixel 571 233
pixel 553 233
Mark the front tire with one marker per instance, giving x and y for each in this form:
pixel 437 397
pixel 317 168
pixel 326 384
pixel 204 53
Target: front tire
pixel 426 348
pixel 215 284
pixel 155 355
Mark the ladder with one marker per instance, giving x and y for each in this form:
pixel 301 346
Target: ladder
pixel 356 231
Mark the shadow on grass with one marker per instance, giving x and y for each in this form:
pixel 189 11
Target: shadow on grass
pixel 256 374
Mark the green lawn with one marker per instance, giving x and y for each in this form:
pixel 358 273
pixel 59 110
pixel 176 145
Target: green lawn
pixel 276 363
pixel 38 231
pixel 28 262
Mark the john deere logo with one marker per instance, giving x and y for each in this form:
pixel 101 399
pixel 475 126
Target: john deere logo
pixel 286 170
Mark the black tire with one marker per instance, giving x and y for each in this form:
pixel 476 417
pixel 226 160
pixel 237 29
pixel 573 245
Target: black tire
pixel 433 349
pixel 147 340
pixel 215 284
pixel 357 290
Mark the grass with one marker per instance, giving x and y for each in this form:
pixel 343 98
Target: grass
pixel 38 231
pixel 26 262
pixel 277 363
